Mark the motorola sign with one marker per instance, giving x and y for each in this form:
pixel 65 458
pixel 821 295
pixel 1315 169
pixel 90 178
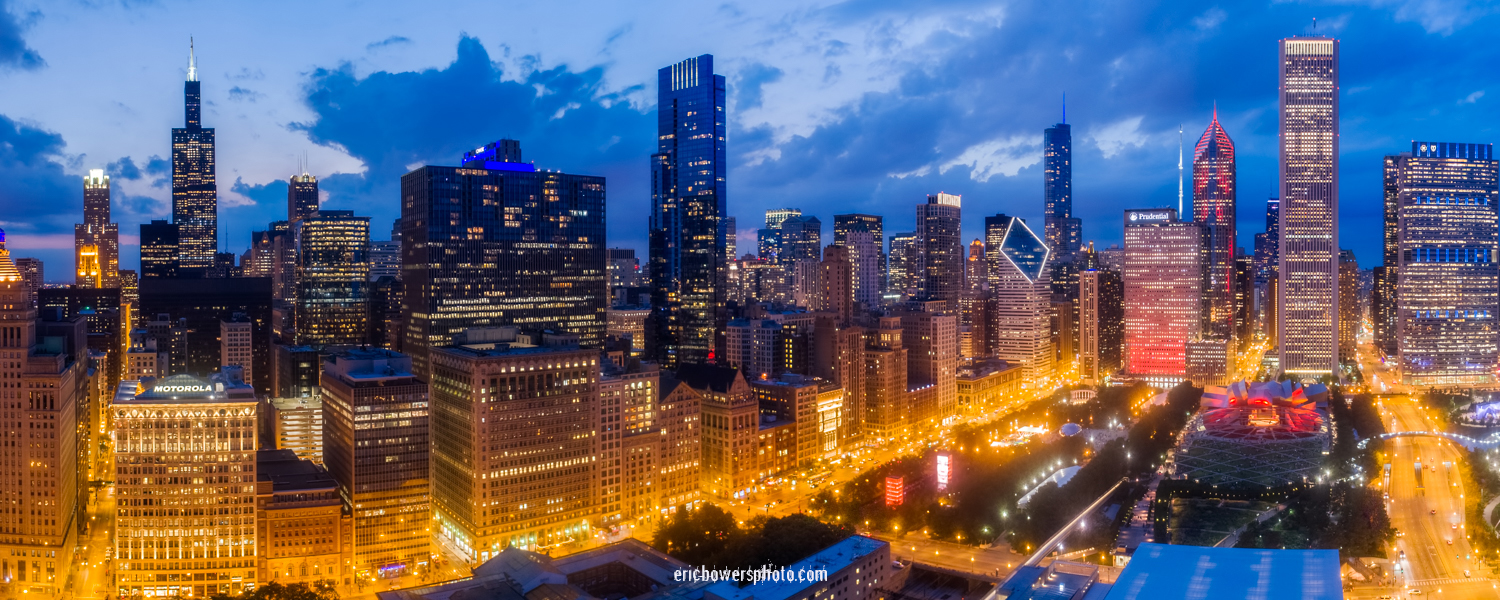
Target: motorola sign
pixel 175 389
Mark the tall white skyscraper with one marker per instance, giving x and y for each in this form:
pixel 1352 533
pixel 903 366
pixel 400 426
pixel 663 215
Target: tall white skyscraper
pixel 1308 291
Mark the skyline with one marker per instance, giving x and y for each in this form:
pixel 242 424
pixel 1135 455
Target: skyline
pixel 827 144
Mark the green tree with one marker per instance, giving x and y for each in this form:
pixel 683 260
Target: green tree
pixel 694 536
pixel 320 590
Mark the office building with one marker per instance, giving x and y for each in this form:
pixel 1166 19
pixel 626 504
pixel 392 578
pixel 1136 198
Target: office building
pixel 32 275
pixel 628 392
pixel 381 464
pixel 1101 323
pixel 1308 305
pixel 901 278
pixel 628 322
pixel 301 197
pixel 142 358
pixel 1350 306
pixel 688 204
pixel 199 306
pixel 938 262
pixel 836 281
pixel 185 483
pixel 843 226
pixel 1163 291
pixel 1064 232
pixel 297 425
pixel 801 239
pixel 886 399
pixel 299 524
pixel 520 262
pixel 1449 281
pixel 333 278
pixel 45 374
pixel 730 417
pixel 237 344
pixel 1208 361
pixel 1384 303
pixel 296 370
pixel 97 236
pixel 195 190
pixel 517 466
pixel 385 312
pixel 1020 325
pixel 160 249
pixel 867 263
pixel 385 259
pixel 813 405
pixel 930 337
pixel 1244 299
pixel 625 268
pixel 1214 190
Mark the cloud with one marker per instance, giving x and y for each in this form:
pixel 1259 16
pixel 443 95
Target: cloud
pixel 1435 16
pixel 1210 19
pixel 391 121
pixel 394 40
pixel 1116 137
pixel 13 49
pixel 998 157
pixel 749 83
pixel 239 94
pixel 123 169
pixel 1472 98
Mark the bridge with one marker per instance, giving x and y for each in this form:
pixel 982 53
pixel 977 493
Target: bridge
pixel 1463 440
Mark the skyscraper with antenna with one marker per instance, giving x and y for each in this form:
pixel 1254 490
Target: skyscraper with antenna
pixel 195 190
pixel 1063 231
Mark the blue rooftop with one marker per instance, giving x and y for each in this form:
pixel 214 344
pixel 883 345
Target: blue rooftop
pixel 1163 572
pixel 832 559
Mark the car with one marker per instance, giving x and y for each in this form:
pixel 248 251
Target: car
pixel 1400 533
pixel 1466 573
pixel 1434 511
pixel 1450 541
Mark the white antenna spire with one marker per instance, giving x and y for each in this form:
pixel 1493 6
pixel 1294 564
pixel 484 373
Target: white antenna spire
pixel 1179 171
pixel 192 62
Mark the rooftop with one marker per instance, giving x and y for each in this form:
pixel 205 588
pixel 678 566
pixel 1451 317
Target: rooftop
pixel 287 472
pixel 831 559
pixel 1162 572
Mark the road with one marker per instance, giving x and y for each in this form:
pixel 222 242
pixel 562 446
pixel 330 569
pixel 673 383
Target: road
pixel 1430 518
pixel 92 578
pixel 996 562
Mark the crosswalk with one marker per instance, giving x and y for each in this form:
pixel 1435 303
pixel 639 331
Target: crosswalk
pixel 1443 580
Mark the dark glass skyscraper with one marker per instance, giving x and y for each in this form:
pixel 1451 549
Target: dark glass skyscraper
pixel 498 243
pixel 195 191
pixel 301 197
pixel 1213 208
pixel 333 278
pixel 1064 233
pixel 939 260
pixel 688 272
pixel 160 253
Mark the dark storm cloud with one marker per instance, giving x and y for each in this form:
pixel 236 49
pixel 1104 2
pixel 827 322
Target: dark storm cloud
pixel 751 78
pixel 394 121
pixel 123 169
pixel 13 49
pixel 37 195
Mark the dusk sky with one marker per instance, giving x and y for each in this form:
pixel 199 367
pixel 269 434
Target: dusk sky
pixel 860 106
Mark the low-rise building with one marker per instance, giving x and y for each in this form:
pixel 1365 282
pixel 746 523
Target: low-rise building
pixel 989 386
pixel 297 425
pixel 299 521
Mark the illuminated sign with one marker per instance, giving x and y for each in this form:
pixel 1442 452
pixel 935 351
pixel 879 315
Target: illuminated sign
pixel 1165 215
pixel 895 491
pixel 944 470
pixel 173 389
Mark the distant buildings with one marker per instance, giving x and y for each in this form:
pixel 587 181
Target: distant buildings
pixel 1447 290
pixel 688 206
pixel 1308 286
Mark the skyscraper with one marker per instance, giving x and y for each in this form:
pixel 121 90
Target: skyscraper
pixel 333 278
pixel 498 242
pixel 1308 286
pixel 688 271
pixel 301 197
pixel 1383 299
pixel 1064 232
pixel 160 249
pixel 939 260
pixel 843 225
pixel 1101 324
pixel 1020 282
pixel 1350 314
pixel 768 244
pixel 1163 282
pixel 1447 291
pixel 1213 209
pixel 195 191
pixel 902 277
pixel 98 235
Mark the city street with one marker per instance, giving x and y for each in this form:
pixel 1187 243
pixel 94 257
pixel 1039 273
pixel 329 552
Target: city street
pixel 1430 517
pixel 91 577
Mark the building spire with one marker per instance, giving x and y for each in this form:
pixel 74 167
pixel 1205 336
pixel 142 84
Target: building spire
pixel 192 62
pixel 1179 171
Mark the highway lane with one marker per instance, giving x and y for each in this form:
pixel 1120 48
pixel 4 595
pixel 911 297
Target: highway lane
pixel 1430 517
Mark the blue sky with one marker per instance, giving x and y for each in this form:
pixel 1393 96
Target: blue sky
pixel 834 106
